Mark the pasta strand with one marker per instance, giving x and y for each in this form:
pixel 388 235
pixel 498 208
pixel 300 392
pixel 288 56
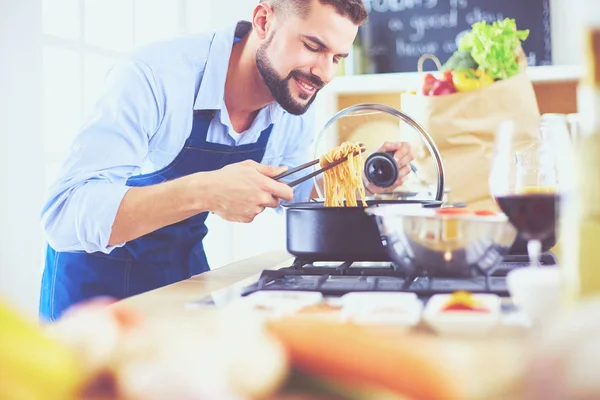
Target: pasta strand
pixel 344 180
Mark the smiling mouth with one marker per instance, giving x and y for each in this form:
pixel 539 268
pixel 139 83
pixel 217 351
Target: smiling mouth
pixel 306 87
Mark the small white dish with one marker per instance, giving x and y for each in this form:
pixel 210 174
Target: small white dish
pixel 284 297
pixel 463 322
pixel 277 303
pixel 369 299
pixel 535 290
pixel 377 308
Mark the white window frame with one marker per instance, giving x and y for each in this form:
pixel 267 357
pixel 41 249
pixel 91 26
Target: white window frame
pixel 83 49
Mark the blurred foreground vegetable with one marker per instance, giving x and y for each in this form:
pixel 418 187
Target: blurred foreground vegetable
pixel 97 352
pixel 33 366
pixel 222 355
pixel 349 355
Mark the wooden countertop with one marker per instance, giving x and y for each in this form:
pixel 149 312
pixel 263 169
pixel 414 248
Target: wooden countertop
pixel 486 362
pixel 220 283
pixel 173 298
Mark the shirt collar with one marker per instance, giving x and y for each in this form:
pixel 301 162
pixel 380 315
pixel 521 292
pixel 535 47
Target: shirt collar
pixel 211 94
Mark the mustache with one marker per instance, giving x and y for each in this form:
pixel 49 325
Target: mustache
pixel 315 80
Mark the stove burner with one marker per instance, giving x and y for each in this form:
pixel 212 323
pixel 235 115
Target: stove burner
pixel 337 279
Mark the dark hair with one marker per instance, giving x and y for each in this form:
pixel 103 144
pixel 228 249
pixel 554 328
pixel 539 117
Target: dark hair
pixel 352 9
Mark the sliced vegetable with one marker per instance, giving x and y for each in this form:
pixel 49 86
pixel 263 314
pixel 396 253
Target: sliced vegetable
pixel 463 301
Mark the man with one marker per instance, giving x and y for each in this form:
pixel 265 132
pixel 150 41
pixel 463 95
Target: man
pixel 185 127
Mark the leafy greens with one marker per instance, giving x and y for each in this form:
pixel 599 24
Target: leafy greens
pixel 495 47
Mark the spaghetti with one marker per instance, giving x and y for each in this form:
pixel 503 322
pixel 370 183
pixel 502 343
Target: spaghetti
pixel 344 180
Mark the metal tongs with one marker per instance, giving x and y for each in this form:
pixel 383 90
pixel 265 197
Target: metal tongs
pixel 315 173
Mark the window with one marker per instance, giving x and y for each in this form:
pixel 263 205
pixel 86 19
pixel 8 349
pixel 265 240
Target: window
pixel 82 39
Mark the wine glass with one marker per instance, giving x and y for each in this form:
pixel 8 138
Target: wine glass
pixel 528 178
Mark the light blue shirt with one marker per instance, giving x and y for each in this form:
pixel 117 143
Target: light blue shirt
pixel 139 125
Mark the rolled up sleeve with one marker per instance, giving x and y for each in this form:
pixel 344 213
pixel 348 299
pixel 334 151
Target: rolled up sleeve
pixel 109 148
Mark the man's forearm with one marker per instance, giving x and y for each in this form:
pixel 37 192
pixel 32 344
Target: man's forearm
pixel 146 209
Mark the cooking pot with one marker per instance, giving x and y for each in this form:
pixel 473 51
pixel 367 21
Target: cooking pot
pixel 318 233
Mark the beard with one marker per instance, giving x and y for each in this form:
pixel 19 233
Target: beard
pixel 280 87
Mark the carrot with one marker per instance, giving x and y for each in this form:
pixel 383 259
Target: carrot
pixel 352 355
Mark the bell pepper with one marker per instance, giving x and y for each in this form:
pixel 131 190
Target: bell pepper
pixel 471 79
pixel 436 87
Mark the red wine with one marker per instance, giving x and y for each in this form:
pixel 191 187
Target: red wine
pixel 534 215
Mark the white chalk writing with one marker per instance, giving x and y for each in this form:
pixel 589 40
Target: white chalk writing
pixel 479 15
pixel 382 6
pixel 395 25
pixel 421 23
pixel 404 49
pixel 449 46
pixel 380 50
pixel 459 4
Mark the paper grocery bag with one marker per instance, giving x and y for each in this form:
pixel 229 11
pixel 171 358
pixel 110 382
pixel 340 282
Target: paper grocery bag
pixel 463 127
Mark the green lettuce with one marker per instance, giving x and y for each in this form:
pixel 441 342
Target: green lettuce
pixel 495 47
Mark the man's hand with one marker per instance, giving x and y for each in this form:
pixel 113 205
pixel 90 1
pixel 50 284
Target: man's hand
pixel 241 191
pixel 403 155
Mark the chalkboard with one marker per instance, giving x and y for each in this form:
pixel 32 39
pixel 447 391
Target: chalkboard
pixel 400 31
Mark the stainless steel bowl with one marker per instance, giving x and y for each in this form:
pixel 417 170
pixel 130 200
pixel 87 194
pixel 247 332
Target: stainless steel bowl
pixel 421 241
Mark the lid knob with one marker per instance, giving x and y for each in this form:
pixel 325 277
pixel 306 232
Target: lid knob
pixel 381 169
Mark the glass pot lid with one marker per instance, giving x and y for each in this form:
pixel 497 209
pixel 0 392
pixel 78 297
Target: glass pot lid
pixel 372 125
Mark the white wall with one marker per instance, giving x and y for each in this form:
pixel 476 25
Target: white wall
pixel 22 156
pixel 567 19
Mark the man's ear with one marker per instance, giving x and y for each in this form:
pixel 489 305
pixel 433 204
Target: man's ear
pixel 262 20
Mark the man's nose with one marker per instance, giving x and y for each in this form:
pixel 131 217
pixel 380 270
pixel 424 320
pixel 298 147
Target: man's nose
pixel 324 69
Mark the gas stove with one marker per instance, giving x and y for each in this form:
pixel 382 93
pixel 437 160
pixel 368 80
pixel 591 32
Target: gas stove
pixel 339 278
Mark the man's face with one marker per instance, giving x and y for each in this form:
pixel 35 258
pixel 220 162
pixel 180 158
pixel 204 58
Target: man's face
pixel 300 56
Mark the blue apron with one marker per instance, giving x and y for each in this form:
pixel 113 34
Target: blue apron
pixel 160 258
